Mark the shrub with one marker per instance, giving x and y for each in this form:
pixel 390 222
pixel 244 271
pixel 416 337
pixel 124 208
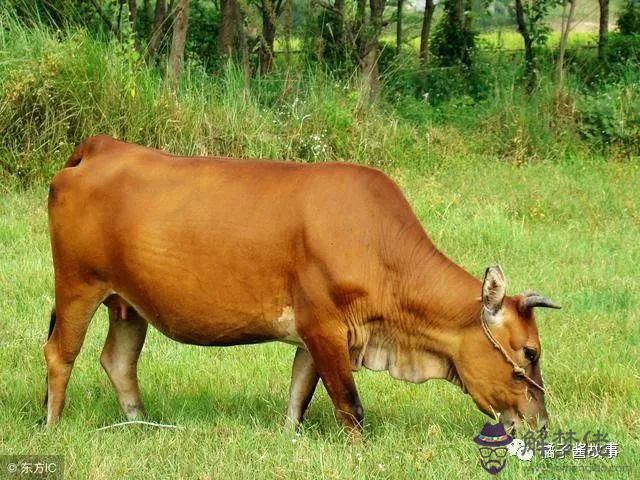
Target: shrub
pixel 612 117
pixel 623 49
pixel 454 38
pixel 629 19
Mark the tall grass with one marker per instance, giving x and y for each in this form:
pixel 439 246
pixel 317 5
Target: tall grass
pixel 57 87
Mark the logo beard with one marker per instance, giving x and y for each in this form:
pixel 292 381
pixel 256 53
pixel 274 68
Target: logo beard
pixel 493 466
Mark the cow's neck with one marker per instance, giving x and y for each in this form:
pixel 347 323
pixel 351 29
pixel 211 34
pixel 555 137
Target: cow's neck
pixel 440 299
pixel 433 302
pixel 440 292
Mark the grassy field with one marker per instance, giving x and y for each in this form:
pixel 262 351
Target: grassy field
pixel 546 185
pixel 570 230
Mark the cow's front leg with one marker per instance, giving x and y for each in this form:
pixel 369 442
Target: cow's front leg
pixel 304 379
pixel 330 352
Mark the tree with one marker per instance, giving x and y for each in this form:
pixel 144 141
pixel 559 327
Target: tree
pixel 370 44
pixel 425 32
pixel 156 31
pixel 399 27
pixel 105 18
pixel 244 47
pixel 564 38
pixel 228 27
pixel 361 36
pixel 270 10
pixel 603 28
pixel 176 54
pixel 334 48
pixel 530 20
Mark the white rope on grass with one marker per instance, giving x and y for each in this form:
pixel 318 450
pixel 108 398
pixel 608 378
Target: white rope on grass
pixel 138 422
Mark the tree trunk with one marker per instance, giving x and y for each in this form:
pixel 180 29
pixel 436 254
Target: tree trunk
pixel 358 37
pixel 399 27
pixel 361 16
pixel 369 62
pixel 603 30
pixel 564 38
pixel 459 13
pixel 466 19
pixel 427 18
pixel 268 36
pixel 121 3
pixel 530 73
pixel 244 49
pixel 133 13
pixel 156 31
pixel 178 40
pixel 370 73
pixel 529 53
pixel 226 39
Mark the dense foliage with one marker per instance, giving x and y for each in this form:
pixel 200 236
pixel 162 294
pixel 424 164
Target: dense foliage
pixel 63 77
pixel 629 20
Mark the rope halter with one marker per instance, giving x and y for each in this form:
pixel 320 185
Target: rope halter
pixel 517 369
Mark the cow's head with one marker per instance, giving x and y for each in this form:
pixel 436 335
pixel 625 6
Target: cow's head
pixel 496 385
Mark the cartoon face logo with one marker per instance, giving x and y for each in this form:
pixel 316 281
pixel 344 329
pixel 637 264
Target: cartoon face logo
pixel 492 447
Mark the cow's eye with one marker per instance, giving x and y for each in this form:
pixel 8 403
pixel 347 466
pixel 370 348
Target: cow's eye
pixel 530 354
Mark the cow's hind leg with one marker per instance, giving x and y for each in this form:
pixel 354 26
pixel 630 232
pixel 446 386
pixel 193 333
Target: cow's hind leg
pixel 119 358
pixel 75 305
pixel 304 379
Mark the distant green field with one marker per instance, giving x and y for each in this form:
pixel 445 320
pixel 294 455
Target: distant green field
pixel 509 38
pixel 570 230
pixel 584 27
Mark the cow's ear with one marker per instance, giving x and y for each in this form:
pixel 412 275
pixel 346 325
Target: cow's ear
pixel 494 288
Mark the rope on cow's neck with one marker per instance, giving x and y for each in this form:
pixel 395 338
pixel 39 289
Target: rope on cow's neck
pixel 517 369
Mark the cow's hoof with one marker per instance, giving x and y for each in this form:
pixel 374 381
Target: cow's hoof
pixel 135 412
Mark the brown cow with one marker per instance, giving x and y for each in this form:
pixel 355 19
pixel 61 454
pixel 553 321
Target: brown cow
pixel 328 257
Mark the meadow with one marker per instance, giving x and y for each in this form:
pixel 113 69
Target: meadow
pixel 570 231
pixel 545 185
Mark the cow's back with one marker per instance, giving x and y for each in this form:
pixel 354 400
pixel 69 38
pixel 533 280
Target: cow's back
pixel 211 250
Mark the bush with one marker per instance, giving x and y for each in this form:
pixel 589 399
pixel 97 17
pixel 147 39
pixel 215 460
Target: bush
pixel 60 86
pixel 623 49
pixel 629 19
pixel 612 117
pixel 454 39
pixel 204 25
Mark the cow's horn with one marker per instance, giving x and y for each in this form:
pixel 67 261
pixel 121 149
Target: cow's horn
pixel 533 299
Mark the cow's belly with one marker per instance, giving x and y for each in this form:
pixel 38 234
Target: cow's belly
pixel 214 301
pixel 208 324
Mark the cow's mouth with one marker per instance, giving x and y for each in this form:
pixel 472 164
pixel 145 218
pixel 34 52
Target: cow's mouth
pixel 453 377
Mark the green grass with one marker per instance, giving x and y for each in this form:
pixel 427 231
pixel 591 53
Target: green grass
pixel 500 177
pixel 569 230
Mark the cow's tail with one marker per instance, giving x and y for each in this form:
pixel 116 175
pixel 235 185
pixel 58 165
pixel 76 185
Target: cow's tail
pixel 88 146
pixel 52 324
pixel 76 157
